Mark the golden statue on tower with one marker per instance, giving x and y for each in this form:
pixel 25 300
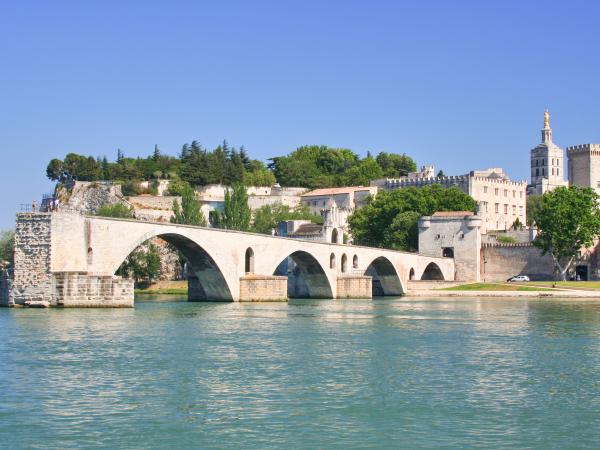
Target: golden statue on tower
pixel 546 119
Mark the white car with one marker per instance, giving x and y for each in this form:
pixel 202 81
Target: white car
pixel 518 278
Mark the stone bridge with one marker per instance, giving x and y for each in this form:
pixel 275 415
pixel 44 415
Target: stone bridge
pixel 70 260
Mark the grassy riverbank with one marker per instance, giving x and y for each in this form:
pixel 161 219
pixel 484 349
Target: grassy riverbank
pixel 164 288
pixel 496 287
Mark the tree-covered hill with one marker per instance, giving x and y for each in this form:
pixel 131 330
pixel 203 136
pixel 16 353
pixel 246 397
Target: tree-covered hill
pixel 308 166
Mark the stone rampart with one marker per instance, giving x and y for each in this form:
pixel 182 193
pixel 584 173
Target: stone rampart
pixel 502 261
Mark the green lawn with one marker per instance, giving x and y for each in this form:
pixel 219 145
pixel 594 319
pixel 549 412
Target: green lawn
pixel 183 291
pixel 587 285
pixel 495 287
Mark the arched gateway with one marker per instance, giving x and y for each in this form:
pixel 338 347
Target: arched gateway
pixel 70 260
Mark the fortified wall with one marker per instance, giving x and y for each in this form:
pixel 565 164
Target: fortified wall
pixel 499 262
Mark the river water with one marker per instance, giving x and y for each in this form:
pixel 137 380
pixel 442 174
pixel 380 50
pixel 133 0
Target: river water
pixel 390 373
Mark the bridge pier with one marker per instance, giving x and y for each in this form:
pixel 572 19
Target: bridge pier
pixel 354 286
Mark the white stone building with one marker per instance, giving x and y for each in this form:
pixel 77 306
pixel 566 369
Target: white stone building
pixel 584 166
pixel 335 206
pixel 547 163
pixel 212 196
pixel 500 201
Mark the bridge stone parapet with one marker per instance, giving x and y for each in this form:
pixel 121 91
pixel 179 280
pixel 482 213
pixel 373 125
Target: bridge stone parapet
pixel 70 260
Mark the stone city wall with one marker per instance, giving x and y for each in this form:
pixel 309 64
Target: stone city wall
pixel 263 288
pixel 502 261
pixel 354 286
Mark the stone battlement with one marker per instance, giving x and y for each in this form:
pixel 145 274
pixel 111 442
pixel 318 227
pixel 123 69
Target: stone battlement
pixel 583 148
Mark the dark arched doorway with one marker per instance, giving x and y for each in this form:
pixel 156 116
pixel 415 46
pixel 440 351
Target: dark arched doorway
pixel 334 236
pixel 432 272
pixel 306 277
pixel 385 279
pixel 411 274
pixel 344 263
pixel 249 260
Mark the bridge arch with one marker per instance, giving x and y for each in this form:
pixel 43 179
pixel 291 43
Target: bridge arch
pixel 205 279
pixel 386 280
pixel 432 272
pixel 306 277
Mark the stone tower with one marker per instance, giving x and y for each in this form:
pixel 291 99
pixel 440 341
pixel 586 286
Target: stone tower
pixel 584 165
pixel 547 162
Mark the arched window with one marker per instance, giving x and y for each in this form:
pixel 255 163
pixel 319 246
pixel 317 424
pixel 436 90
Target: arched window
pixel 334 236
pixel 448 252
pixel 355 262
pixel 344 263
pixel 332 261
pixel 249 260
pixel 411 274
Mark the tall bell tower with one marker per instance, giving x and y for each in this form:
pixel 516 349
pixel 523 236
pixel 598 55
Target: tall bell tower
pixel 547 162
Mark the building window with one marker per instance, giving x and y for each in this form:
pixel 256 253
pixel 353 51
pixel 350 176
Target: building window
pixel 521 194
pixel 543 161
pixel 496 191
pixel 485 189
pixel 557 172
pixel 496 206
pixel 537 162
pixel 553 171
pixel 537 172
pixel 514 208
pixel 505 209
pixel 506 192
pixel 514 194
pixel 543 172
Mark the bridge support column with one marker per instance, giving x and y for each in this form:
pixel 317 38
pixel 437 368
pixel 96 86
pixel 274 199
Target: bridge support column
pixel 82 290
pixel 354 286
pixel 263 288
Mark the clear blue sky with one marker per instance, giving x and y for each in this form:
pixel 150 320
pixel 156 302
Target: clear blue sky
pixel 462 85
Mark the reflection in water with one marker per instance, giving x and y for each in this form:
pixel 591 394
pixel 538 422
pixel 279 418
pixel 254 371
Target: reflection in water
pixel 385 373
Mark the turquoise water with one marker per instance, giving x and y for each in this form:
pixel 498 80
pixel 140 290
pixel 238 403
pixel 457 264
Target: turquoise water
pixel 391 373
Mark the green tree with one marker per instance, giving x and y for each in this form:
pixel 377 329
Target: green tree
pixel 389 220
pixel 265 218
pixel 54 169
pixel 260 177
pixel 567 221
pixel 117 210
pixel 7 246
pixel 440 174
pixel 236 212
pixel 395 165
pixel 363 173
pixel 152 262
pixel 534 204
pixel 189 212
